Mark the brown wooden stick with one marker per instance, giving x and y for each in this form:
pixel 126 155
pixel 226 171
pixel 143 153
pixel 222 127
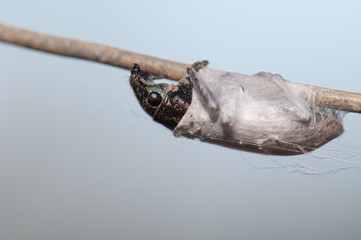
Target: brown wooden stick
pixel 335 99
pixel 92 51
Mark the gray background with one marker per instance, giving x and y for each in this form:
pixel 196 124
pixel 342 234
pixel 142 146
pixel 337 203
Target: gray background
pixel 79 159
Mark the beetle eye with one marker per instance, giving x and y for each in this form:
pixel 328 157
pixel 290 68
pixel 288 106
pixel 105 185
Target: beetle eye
pixel 154 99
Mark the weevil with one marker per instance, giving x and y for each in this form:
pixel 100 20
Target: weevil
pixel 260 113
pixel 165 103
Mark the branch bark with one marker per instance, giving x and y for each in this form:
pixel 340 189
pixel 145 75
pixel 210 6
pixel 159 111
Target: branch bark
pixel 92 51
pixel 335 99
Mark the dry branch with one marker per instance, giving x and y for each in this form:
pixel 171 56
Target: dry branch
pixel 335 99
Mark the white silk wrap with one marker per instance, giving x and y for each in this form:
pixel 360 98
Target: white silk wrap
pixel 260 113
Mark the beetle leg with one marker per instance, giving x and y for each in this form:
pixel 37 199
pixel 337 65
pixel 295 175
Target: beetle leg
pixel 198 65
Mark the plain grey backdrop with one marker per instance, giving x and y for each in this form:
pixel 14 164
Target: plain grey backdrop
pixel 79 159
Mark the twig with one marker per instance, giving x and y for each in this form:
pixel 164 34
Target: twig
pixel 92 51
pixel 335 99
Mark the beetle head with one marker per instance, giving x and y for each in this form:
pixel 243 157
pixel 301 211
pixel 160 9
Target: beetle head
pixel 166 103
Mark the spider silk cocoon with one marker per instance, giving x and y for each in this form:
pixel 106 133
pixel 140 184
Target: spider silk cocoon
pixel 259 113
